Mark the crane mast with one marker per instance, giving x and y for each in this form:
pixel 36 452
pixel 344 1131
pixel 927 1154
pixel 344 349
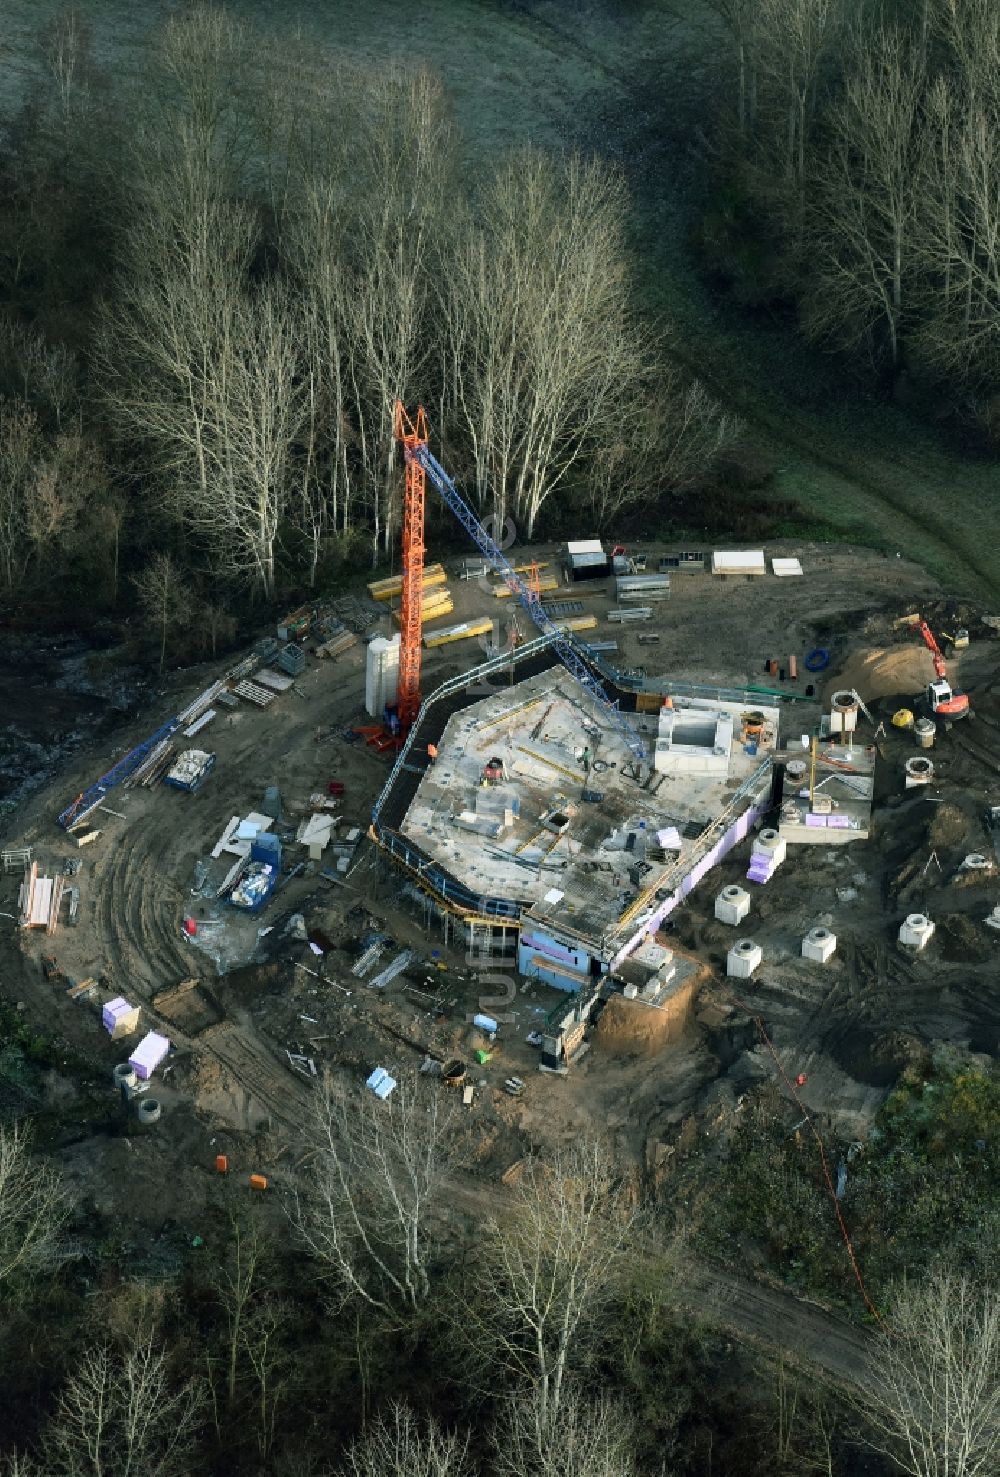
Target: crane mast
pixel 413 435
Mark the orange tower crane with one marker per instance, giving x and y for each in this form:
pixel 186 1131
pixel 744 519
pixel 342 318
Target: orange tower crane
pixel 412 433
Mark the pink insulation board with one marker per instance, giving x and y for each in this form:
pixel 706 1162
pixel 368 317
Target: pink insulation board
pixel 149 1054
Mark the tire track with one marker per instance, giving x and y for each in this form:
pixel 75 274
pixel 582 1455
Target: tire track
pixel 259 1073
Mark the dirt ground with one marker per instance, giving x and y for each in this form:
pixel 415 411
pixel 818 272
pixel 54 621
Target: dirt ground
pixel 229 1085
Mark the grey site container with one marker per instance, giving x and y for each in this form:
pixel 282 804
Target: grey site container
pixel 292 659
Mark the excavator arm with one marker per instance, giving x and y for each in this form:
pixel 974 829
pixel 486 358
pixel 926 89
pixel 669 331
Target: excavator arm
pixel 931 643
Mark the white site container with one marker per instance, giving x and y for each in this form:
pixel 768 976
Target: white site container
pixel 381 674
pixel 732 905
pixel 819 945
pixel 915 932
pixel 743 958
pixel 771 845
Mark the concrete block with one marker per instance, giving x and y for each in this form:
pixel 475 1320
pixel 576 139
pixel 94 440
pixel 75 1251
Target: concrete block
pixel 732 905
pixel 743 958
pixel 768 843
pixel 819 945
pixel 915 932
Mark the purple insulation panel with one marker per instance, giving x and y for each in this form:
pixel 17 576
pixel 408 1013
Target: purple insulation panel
pixel 149 1054
pixel 736 833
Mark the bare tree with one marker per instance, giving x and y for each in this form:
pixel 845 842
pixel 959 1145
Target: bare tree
pixel 799 34
pixel 933 1404
pixel 121 1415
pixel 404 157
pixel 20 441
pixel 397 1445
pixel 546 1271
pixel 33 1209
pixel 586 1437
pixel 861 232
pixel 379 1168
pixel 546 358
pixel 743 23
pixel 250 1380
pixel 68 479
pixel 165 597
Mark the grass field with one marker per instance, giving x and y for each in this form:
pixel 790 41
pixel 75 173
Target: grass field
pixel 624 79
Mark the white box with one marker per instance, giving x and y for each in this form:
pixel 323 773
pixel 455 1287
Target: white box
pixel 819 945
pixel 743 958
pixel 732 905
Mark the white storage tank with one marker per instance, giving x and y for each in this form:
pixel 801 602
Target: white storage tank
pixel 732 905
pixel 743 958
pixel 819 945
pixel 915 932
pixel 381 674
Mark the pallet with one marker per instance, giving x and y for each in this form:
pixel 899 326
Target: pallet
pixel 253 693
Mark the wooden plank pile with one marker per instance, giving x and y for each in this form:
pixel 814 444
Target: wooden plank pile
pixel 336 639
pixel 388 589
pixel 153 767
pixel 40 899
pixel 435 603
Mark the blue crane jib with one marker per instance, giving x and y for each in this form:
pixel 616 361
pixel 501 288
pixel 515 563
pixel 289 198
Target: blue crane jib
pixel 568 654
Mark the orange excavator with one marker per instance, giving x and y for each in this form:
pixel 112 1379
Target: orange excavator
pixel 942 701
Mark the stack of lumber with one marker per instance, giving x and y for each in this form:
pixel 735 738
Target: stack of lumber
pixel 392 587
pixel 40 899
pixel 547 582
pixel 577 623
pixel 339 642
pixel 462 632
pixel 155 764
pixel 436 602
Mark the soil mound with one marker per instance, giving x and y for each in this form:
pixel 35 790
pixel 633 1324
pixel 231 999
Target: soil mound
pixel 894 671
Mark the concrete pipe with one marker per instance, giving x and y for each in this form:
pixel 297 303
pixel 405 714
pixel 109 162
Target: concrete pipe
pixel 923 731
pixel 124 1075
pixel 795 769
pixel 843 712
pixel 148 1110
pixel 919 767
